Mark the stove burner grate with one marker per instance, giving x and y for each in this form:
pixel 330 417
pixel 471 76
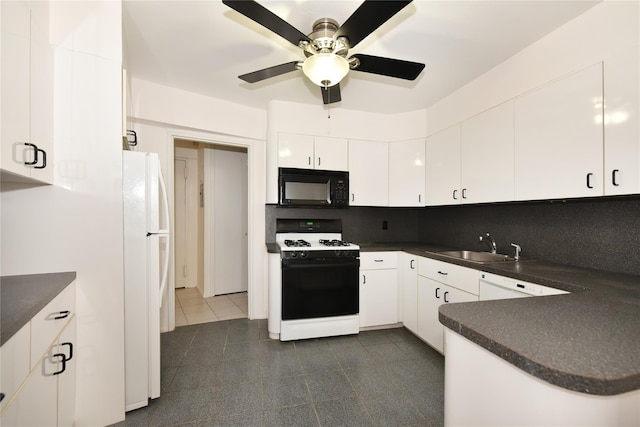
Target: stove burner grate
pixel 334 242
pixel 296 243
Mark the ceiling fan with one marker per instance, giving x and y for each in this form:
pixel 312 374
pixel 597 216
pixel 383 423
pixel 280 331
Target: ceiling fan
pixel 327 46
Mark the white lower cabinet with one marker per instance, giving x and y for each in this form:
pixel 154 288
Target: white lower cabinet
pixel 378 288
pixel 45 395
pixel 408 278
pixel 441 283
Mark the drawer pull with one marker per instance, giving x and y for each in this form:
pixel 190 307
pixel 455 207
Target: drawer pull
pixel 378 260
pixel 443 273
pixel 411 266
pixel 64 359
pixel 59 315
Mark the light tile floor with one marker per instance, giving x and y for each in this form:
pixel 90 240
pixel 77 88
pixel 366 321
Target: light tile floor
pixel 192 309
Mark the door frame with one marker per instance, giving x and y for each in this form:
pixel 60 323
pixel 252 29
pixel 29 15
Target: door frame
pixel 256 262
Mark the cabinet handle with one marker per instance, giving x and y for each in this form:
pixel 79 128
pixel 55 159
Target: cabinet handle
pixel 70 345
pixel 589 175
pixel 378 260
pixel 63 357
pixel 58 315
pixel 613 177
pixel 419 198
pixel 445 296
pixel 318 161
pixel 1 397
pixel 411 266
pixel 437 296
pixel 44 159
pixel 309 160
pixel 454 194
pixel 444 273
pixel 364 279
pixel 35 154
pixel 353 197
pixel 464 196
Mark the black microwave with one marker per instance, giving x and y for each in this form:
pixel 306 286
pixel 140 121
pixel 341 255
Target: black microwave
pixel 313 188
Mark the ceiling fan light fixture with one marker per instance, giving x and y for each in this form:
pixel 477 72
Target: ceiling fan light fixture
pixel 325 69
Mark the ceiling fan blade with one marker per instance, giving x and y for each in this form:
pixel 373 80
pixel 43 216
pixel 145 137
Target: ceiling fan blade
pixel 266 73
pixel 388 67
pixel 369 16
pixel 331 94
pixel 267 19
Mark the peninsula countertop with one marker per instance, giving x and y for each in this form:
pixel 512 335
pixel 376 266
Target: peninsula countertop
pixel 22 297
pixel 587 341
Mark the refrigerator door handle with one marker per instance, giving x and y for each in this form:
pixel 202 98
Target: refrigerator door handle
pixel 165 268
pixel 164 201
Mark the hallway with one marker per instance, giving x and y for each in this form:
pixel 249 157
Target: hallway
pixel 192 309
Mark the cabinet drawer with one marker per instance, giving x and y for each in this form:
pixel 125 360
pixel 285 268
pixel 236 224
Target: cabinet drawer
pixel 378 260
pixel 48 323
pixel 15 364
pixel 463 278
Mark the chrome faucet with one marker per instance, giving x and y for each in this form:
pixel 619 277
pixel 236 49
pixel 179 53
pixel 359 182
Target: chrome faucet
pixel 518 249
pixel 489 240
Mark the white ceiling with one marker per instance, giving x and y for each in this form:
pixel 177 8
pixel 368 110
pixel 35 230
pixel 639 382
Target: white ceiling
pixel 202 46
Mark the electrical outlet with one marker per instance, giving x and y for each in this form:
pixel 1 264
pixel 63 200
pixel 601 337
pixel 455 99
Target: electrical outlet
pixel 385 225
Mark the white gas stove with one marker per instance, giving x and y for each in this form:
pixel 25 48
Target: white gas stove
pixel 317 293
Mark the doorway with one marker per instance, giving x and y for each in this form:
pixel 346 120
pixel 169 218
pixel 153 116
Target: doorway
pixel 211 259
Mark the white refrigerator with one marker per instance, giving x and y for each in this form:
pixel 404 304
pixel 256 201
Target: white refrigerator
pixel 146 263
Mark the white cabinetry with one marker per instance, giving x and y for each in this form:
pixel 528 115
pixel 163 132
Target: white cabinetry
pixel 408 279
pixel 46 392
pixel 558 138
pixel 407 173
pixel 443 167
pixel 378 288
pixel 487 156
pixel 440 283
pixel 622 123
pixel 369 173
pixel 27 93
pixel 312 152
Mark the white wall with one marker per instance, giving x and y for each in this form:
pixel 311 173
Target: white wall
pixel 159 114
pixel 602 31
pixel 76 225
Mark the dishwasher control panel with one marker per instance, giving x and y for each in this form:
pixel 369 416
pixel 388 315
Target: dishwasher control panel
pixel 493 286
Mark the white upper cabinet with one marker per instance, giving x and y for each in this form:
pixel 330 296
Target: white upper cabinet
pixel 27 93
pixel 331 153
pixel 369 173
pixel 487 156
pixel 621 123
pixel 309 152
pixel 558 138
pixel 443 167
pixel 407 173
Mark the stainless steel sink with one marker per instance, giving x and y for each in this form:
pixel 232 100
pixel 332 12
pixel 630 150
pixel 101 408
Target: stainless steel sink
pixel 477 256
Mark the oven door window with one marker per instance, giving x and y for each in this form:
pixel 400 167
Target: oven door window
pixel 319 290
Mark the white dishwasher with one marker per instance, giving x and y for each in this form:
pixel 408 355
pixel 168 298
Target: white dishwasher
pixel 494 287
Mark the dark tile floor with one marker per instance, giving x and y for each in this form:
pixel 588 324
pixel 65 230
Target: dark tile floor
pixel 230 373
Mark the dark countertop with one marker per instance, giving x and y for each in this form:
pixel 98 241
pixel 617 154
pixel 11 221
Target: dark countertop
pixel 587 341
pixel 22 297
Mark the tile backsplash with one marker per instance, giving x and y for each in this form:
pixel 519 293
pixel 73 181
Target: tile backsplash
pixel 601 233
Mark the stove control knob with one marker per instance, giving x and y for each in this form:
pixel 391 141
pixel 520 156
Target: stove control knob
pixel 293 255
pixel 303 254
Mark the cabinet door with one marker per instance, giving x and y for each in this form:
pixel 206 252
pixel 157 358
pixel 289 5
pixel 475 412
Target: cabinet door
pixel 408 275
pixel 41 94
pixel 558 138
pixel 431 295
pixel 443 168
pixel 622 123
pixel 378 297
pixel 15 71
pixel 295 151
pixel 331 154
pixel 429 299
pixel 36 402
pixel 14 363
pixel 487 156
pixel 67 378
pixel 407 173
pixel 369 173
